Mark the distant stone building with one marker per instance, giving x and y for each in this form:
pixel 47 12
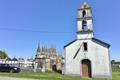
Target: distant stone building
pixel 48 58
pixel 26 64
pixel 115 64
pixel 9 60
pixel 2 61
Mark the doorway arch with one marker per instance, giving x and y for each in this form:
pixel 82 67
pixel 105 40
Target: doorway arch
pixel 86 68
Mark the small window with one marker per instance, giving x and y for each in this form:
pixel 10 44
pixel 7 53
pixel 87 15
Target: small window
pixel 85 46
pixel 84 13
pixel 84 25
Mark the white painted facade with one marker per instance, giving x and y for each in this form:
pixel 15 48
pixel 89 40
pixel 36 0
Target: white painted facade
pixel 97 52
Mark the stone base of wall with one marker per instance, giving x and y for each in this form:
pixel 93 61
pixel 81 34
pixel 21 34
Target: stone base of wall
pixel 106 77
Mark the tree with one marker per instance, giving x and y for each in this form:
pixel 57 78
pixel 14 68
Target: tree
pixel 3 54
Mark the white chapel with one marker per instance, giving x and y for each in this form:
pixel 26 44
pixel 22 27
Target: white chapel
pixel 87 56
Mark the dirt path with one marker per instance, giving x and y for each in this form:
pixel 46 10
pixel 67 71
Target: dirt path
pixel 13 78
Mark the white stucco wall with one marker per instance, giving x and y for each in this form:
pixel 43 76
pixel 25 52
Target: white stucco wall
pixel 97 54
pixel 79 26
pixel 84 36
pixel 90 24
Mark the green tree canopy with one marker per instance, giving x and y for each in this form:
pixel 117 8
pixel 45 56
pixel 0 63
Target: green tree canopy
pixel 3 54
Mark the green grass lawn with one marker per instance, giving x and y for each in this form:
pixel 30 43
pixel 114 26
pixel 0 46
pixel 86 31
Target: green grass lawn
pixel 40 75
pixel 53 76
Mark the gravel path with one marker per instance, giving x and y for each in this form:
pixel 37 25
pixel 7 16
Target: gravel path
pixel 13 78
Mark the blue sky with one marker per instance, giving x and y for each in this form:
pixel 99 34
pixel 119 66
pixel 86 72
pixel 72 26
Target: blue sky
pixel 56 21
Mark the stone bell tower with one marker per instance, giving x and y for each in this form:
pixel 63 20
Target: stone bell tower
pixel 87 56
pixel 84 22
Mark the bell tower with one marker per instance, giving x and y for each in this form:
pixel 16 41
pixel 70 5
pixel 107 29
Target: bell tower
pixel 84 22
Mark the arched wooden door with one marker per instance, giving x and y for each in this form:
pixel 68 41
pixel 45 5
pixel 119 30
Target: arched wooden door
pixel 86 68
